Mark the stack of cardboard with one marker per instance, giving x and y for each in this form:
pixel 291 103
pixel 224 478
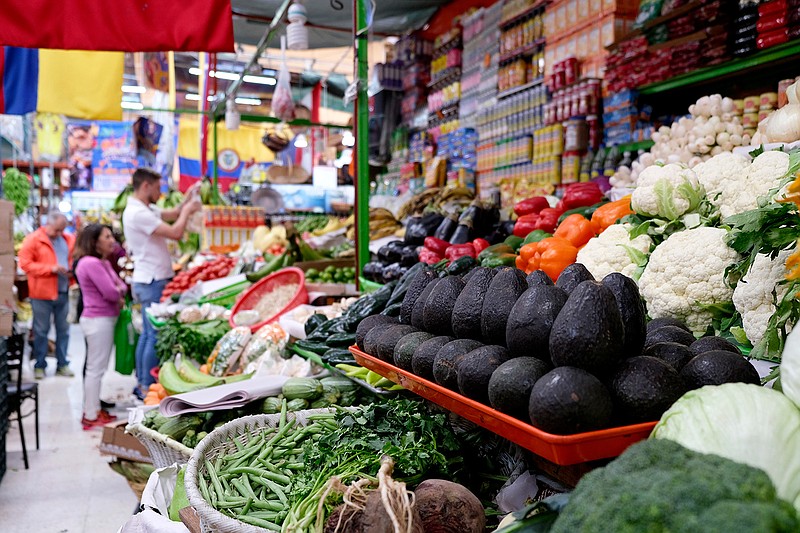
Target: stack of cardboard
pixel 8 268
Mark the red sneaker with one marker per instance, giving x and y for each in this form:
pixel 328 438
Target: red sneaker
pixel 104 415
pixel 92 424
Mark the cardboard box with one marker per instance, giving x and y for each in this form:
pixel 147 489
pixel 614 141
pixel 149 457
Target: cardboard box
pixel 6 322
pixel 120 444
pixel 6 227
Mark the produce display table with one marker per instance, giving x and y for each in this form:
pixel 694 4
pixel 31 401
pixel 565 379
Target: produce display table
pixel 561 450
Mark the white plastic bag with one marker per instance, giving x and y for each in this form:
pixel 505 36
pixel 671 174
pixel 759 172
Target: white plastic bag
pixel 156 498
pixel 282 103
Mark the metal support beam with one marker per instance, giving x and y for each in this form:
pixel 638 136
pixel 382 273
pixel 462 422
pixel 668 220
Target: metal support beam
pixel 362 134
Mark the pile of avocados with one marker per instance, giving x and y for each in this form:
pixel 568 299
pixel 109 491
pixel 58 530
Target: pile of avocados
pixel 568 357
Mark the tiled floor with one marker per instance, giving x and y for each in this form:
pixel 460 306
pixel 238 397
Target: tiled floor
pixel 69 487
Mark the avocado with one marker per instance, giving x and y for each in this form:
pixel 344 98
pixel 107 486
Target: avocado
pixel 707 344
pixel 717 367
pixel 572 276
pixel 425 355
pixel 370 322
pixel 674 354
pixel 466 322
pixel 588 332
pixel 415 288
pixel 531 319
pixel 437 315
pixel 644 387
pixel 569 400
pixel 388 339
pixel 417 317
pixel 370 344
pixel 506 287
pixel 511 383
pixel 405 348
pixel 475 369
pixel 669 334
pixel 631 309
pixel 446 363
pixel 468 276
pixel 666 321
pixel 538 277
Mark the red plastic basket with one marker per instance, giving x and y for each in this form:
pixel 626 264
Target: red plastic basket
pixel 250 299
pixel 559 449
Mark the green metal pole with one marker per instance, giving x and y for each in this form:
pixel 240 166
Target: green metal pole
pixel 362 134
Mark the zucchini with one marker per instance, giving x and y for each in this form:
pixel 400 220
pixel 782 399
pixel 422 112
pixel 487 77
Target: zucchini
pixel 298 404
pixel 342 384
pixel 176 427
pixel 274 264
pixel 271 406
pixel 302 389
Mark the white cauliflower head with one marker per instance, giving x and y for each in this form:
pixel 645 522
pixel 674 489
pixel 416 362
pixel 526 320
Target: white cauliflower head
pixel 753 296
pixel 723 177
pixel 687 272
pixel 667 191
pixel 614 251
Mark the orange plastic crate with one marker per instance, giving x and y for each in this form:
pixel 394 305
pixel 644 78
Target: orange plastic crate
pixel 559 449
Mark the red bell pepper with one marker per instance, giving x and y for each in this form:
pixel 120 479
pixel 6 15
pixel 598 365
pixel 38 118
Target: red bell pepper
pixel 455 251
pixel 480 245
pixel 548 220
pixel 429 257
pixel 437 246
pixel 531 206
pixel 581 195
pixel 526 224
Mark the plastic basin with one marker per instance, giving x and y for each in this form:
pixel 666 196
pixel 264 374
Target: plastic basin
pixel 253 295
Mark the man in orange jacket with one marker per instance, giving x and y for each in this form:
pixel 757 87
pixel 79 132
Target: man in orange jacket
pixel 45 256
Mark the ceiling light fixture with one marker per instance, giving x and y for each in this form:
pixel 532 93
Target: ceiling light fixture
pixel 232 76
pixel 136 106
pixel 133 89
pixel 248 101
pixel 196 97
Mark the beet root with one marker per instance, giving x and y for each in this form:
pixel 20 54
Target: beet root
pixel 447 507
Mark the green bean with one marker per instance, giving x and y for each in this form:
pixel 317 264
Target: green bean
pixel 266 515
pixel 233 502
pixel 240 488
pixel 247 506
pixel 214 480
pixel 269 505
pixel 282 419
pixel 238 444
pixel 279 478
pixel 277 490
pixel 204 489
pixel 259 522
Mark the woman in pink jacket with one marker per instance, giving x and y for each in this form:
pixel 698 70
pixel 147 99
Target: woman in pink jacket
pixel 103 296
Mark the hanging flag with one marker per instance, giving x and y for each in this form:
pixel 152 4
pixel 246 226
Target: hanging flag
pixel 73 83
pixel 121 25
pixel 236 149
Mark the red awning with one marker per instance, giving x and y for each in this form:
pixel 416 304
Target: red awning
pixel 121 25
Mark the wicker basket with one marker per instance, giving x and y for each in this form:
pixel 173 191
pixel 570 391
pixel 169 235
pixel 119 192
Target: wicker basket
pixel 220 442
pixel 164 450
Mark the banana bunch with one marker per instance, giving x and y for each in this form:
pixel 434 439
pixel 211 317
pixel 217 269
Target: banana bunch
pixel 170 200
pixel 418 202
pixel 93 216
pixel 334 223
pixel 454 199
pixel 122 200
pixel 381 224
pixel 265 238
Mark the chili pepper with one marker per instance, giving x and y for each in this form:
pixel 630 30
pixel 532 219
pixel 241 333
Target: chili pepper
pixel 608 214
pixel 480 245
pixel 548 220
pixel 429 257
pixel 496 249
pixel 576 229
pixel 585 211
pixel 536 236
pixel 581 194
pixel 531 206
pixel 526 224
pixel 437 246
pixel 550 255
pixel 494 261
pixel 455 251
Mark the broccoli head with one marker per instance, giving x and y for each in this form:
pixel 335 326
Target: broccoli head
pixel 659 486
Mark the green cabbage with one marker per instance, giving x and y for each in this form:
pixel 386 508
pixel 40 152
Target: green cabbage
pixel 748 424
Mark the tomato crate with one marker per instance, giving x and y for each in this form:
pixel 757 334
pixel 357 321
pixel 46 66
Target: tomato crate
pixel 559 449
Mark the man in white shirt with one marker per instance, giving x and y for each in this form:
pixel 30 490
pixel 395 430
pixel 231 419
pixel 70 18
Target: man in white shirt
pixel 147 229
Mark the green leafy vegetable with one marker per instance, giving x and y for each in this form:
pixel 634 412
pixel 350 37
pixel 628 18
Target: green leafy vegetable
pixel 195 340
pixel 17 189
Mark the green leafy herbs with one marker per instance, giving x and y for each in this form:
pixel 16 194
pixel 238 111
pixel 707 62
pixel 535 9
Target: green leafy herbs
pixel 195 340
pixel 17 189
pixel 787 313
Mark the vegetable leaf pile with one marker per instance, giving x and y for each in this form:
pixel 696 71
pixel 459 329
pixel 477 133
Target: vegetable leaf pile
pixel 195 340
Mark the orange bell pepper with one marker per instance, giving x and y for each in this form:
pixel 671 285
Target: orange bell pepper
pixel 608 214
pixel 576 229
pixel 551 255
